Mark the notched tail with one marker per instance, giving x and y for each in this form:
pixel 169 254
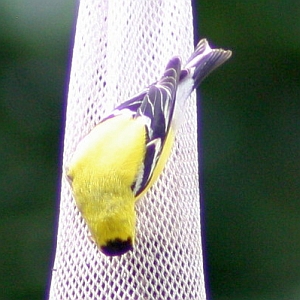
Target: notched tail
pixel 204 60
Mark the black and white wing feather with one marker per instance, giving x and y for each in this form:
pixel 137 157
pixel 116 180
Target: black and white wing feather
pixel 157 103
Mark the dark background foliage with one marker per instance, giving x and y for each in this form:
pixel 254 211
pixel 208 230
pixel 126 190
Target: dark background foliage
pixel 250 145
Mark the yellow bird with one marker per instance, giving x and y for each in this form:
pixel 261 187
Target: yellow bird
pixel 120 159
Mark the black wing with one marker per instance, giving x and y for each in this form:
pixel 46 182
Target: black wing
pixel 155 105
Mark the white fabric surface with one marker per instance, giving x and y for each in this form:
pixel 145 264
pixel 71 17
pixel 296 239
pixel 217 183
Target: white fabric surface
pixel 120 47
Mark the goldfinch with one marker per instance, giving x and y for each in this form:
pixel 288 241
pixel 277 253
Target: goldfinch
pixel 120 159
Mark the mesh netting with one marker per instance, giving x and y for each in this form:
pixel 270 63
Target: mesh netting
pixel 120 47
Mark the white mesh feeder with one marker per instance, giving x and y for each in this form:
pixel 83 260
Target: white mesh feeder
pixel 121 47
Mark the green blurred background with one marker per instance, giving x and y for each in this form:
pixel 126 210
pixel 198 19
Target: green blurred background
pixel 250 145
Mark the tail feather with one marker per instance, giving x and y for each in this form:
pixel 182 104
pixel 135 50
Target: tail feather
pixel 204 60
pixel 200 64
